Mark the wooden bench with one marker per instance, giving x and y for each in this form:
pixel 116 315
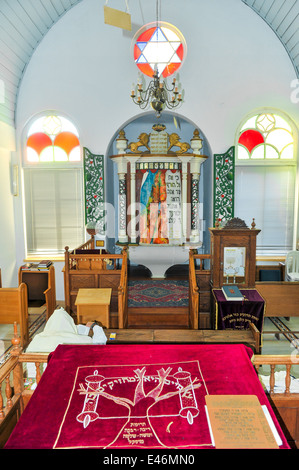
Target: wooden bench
pixel 14 308
pixel 88 268
pixel 250 337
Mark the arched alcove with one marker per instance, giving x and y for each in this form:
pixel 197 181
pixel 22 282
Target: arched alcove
pixel 174 123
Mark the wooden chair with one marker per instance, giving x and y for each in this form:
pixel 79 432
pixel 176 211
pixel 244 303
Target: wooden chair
pixel 14 308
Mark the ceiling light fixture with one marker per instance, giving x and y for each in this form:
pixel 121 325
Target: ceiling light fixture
pixel 158 95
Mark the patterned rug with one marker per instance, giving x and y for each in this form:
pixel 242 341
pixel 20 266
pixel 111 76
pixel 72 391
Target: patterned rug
pixel 158 293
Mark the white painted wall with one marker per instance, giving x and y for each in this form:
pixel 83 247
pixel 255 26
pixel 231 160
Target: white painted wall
pixel 85 69
pixel 7 219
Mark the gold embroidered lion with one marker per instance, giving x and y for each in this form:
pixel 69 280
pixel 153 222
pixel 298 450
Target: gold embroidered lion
pixel 142 142
pixel 174 141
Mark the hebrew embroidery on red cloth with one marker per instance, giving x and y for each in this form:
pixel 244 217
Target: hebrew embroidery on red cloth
pixel 155 405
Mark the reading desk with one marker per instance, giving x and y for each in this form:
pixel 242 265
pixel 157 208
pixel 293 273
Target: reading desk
pixel 237 314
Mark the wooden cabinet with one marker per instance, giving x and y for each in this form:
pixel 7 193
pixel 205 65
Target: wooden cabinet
pixel 203 282
pixel 233 254
pixel 41 287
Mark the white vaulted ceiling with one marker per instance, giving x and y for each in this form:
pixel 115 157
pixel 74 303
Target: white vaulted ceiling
pixel 23 24
pixel 283 17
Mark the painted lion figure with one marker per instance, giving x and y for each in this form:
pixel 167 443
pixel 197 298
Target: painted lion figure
pixel 174 141
pixel 142 142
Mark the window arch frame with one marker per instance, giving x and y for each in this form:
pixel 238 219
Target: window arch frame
pixel 28 169
pixel 53 164
pixel 268 161
pixel 293 163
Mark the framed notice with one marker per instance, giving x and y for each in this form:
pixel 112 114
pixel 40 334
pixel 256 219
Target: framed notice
pixel 234 261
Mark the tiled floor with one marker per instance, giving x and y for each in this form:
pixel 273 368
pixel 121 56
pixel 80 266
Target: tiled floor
pixel 278 344
pixel 271 344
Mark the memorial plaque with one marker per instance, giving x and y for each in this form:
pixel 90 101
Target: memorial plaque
pixel 239 422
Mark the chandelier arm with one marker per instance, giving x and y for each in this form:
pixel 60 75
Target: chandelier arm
pixel 145 95
pixel 141 104
pixel 168 89
pixel 173 104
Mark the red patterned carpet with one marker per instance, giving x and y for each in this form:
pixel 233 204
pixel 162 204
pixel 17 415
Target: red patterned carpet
pixel 158 293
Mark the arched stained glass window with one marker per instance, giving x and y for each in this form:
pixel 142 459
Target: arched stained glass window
pixel 161 47
pixel 53 186
pixel 266 137
pixel 265 180
pixel 52 139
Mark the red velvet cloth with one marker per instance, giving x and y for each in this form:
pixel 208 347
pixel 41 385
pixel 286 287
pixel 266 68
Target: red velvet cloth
pixel 237 314
pixel 149 396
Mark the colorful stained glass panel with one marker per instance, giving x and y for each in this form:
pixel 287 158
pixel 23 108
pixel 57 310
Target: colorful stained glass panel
pixel 250 139
pixel 67 141
pixel 160 48
pixel 52 139
pixel 279 138
pixel 39 141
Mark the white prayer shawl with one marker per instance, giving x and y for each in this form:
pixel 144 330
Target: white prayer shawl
pixel 59 329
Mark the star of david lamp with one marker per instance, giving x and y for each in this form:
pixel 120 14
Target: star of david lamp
pixel 159 50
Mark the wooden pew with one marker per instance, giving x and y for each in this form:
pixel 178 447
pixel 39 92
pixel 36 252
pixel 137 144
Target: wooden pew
pixel 87 268
pixel 250 337
pixel 14 308
pixel 282 298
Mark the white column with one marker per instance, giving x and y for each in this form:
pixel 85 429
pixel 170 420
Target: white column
pixel 184 206
pixel 122 198
pixel 195 165
pixel 184 209
pixel 122 209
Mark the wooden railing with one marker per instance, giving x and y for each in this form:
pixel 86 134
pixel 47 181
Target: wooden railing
pixel 89 261
pixel 88 245
pixel 13 396
pixel 123 293
pixel 284 403
pixel 193 293
pixel 273 362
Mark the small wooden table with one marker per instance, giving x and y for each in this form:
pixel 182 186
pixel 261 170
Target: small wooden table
pixel 93 304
